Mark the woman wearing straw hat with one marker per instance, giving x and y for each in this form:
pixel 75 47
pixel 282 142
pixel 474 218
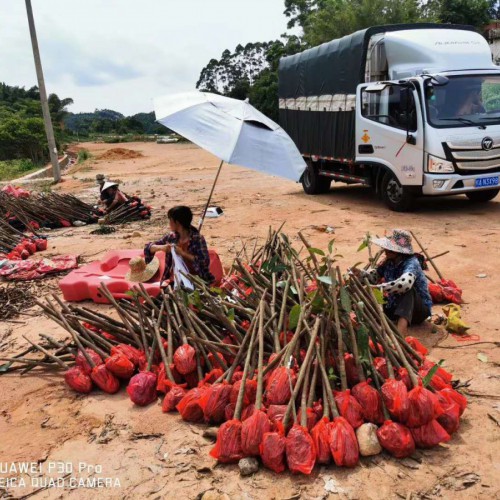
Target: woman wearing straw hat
pixel 404 281
pixel 112 196
pixel 189 245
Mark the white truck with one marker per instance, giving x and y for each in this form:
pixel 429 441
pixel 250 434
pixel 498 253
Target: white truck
pixel 410 110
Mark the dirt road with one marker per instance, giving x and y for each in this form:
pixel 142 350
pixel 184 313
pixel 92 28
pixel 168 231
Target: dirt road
pixel 155 455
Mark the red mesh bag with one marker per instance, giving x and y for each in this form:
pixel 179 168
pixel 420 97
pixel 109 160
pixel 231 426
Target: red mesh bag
pixel 178 379
pixel 104 379
pixel 82 362
pixel 351 369
pixel 300 450
pixel 162 378
pixel 453 395
pixel 318 409
pixel 229 341
pixel 192 379
pixel 142 388
pixel 249 393
pixel 380 365
pixel 451 292
pixel 130 352
pixel 169 385
pixel 343 443
pixel 252 431
pixel 78 380
pixel 423 407
pixel 289 337
pixel 212 376
pixel 227 448
pixel 272 451
pixel 429 435
pixel 402 374
pixel 276 413
pixel 374 347
pixel 172 399
pixel 120 365
pixel 437 382
pixel 189 406
pixel 278 386
pixel 441 372
pixel 417 345
pixel 436 293
pixel 185 359
pixel 311 417
pixel 321 437
pixel 395 397
pixel 247 412
pixel 370 401
pixel 349 408
pixel 396 439
pixel 214 401
pixel 237 375
pixel 229 412
pixel 216 360
pixel 450 418
pixel 41 244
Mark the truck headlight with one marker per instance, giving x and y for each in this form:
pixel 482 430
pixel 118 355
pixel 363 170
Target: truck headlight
pixel 438 166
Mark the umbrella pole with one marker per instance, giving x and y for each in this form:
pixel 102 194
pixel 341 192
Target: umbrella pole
pixel 210 196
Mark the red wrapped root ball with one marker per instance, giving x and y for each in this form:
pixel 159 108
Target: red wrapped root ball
pixel 104 379
pixel 185 359
pixel 78 380
pixel 396 439
pixel 142 388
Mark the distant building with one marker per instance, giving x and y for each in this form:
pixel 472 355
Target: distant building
pixel 492 34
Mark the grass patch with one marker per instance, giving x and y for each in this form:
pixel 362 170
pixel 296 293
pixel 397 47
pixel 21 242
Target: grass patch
pixel 12 169
pixel 83 155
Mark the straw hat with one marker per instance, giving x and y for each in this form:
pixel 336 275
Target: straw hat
pixel 399 241
pixel 140 272
pixel 109 184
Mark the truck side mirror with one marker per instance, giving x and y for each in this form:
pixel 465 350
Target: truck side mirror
pixel 411 139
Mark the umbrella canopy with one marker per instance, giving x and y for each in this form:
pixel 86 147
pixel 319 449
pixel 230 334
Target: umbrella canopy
pixel 233 130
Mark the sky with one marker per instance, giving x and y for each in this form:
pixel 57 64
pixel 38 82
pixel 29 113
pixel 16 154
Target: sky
pixel 120 54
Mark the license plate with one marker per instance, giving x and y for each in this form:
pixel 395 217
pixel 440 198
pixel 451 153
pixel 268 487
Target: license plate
pixel 487 181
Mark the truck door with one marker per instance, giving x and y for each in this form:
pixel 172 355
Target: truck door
pixel 389 130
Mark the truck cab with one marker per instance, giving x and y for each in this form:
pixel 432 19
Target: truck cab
pixel 422 120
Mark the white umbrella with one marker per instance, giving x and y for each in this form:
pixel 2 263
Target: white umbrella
pixel 233 130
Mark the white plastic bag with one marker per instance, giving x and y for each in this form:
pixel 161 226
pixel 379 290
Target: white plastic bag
pixel 180 268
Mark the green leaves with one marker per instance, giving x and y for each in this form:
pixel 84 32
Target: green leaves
pixel 293 319
pixel 345 300
pixel 327 280
pixel 316 251
pixel 363 245
pixel 379 295
pixel 194 299
pixel 230 315
pixel 427 379
pixel 363 341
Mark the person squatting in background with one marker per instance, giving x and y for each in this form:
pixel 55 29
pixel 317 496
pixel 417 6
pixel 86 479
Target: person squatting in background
pixel 404 282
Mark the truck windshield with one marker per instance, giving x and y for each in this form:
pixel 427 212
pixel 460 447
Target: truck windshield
pixel 465 101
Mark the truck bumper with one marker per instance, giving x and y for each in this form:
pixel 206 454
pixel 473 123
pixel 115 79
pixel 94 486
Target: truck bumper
pixel 443 184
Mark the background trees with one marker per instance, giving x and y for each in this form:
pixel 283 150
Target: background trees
pixel 251 70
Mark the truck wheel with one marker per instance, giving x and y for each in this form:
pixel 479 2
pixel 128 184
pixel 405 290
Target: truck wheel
pixel 313 183
pixel 395 196
pixel 482 196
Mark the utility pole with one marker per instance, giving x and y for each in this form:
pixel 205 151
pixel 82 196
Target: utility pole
pixel 43 96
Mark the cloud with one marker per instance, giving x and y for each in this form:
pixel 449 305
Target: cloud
pixel 120 54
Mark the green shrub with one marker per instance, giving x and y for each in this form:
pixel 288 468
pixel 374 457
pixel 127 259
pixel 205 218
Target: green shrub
pixel 83 155
pixel 11 169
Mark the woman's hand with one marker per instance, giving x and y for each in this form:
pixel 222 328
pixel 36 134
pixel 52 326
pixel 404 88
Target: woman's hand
pixel 160 248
